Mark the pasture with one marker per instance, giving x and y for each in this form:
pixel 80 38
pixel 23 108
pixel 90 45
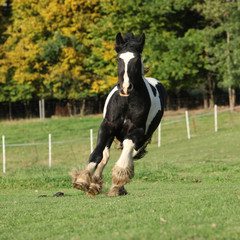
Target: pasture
pixel 186 189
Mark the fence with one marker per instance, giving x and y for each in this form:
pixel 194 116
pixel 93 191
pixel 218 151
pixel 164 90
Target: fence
pixel 94 105
pixel 91 137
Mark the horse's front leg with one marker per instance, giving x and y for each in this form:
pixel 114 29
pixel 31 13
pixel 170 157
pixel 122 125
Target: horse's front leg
pixel 97 179
pixel 89 180
pixel 123 170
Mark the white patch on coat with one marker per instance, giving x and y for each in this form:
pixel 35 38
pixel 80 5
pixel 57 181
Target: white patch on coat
pixel 108 99
pixel 103 163
pixel 126 57
pixel 106 155
pixel 126 157
pixel 135 152
pixel 91 167
pixel 155 100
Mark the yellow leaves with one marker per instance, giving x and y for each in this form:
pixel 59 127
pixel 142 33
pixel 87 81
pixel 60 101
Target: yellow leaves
pixel 103 85
pixel 69 14
pixel 111 80
pixel 109 52
pixel 96 86
pixel 69 55
pixel 69 65
pixel 2 2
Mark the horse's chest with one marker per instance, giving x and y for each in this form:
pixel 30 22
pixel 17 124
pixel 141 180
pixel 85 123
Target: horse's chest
pixel 136 111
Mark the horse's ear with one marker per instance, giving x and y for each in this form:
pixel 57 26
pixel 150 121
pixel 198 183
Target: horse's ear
pixel 119 42
pixel 141 43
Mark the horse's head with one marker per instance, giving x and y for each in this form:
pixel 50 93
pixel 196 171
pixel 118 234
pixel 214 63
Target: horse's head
pixel 130 67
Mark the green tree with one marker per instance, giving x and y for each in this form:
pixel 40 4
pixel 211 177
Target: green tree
pixel 164 23
pixel 222 34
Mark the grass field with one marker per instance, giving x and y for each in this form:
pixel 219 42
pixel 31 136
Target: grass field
pixel 186 189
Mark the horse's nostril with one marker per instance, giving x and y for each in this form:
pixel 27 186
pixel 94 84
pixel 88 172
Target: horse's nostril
pixel 130 88
pixel 121 91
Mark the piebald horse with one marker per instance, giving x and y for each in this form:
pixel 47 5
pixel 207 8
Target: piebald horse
pixel 132 112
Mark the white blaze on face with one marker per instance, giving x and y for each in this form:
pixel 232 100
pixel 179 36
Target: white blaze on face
pixel 126 57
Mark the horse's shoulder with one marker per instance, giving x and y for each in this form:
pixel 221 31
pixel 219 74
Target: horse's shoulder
pixel 154 83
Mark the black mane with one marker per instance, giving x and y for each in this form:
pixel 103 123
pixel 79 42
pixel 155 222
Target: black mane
pixel 129 42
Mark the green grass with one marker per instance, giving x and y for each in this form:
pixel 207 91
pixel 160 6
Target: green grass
pixel 186 189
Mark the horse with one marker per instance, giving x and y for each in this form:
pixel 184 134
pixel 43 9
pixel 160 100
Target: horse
pixel 132 111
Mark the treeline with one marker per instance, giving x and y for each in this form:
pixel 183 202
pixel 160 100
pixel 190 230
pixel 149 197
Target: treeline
pixel 64 49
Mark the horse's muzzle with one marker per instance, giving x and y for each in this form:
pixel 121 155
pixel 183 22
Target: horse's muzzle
pixel 123 91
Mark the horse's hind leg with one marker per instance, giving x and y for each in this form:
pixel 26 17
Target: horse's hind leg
pixel 97 179
pixel 123 170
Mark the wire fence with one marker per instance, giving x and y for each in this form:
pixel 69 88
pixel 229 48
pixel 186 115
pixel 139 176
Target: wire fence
pixel 88 141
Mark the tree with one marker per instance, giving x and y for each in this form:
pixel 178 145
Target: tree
pixel 222 46
pixel 47 48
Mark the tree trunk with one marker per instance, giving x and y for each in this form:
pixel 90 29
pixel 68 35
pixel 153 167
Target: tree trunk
pixel 10 110
pixel 205 100
pixel 83 107
pixel 231 97
pixel 210 89
pixel 231 92
pixel 74 108
pixel 27 110
pixel 69 107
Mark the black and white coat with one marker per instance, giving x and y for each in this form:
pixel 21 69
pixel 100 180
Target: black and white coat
pixel 132 112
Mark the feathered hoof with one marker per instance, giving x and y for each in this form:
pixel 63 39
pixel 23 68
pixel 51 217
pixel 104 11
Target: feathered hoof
pixel 95 187
pixel 116 191
pixel 81 180
pixel 94 190
pixel 122 176
pixel 81 186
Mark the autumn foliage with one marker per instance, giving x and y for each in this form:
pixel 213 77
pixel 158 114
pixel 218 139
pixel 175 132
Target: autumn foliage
pixel 64 49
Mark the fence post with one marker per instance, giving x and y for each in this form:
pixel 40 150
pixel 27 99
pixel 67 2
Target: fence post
pixel 91 140
pixel 215 118
pixel 187 123
pixel 159 134
pixel 50 150
pixel 4 157
pixel 42 109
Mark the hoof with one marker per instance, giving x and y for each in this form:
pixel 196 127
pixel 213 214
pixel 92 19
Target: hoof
pixel 95 186
pixel 94 190
pixel 81 186
pixel 117 191
pixel 81 180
